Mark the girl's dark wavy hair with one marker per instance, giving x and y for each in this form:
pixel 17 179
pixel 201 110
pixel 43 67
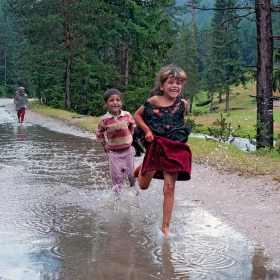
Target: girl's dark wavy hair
pixel 164 73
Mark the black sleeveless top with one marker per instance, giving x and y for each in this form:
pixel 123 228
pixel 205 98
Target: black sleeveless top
pixel 168 121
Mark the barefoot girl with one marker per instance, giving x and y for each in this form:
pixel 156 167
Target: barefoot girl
pixel 167 157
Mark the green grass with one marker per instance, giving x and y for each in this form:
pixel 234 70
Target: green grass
pixel 229 158
pixel 85 122
pixel 242 114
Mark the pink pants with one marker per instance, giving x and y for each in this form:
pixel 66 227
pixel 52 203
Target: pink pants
pixel 119 164
pixel 21 113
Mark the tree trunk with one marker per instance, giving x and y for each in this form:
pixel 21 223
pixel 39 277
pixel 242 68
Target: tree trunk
pixel 68 63
pixel 227 100
pixel 5 74
pixel 220 94
pixel 126 68
pixel 193 23
pixel 68 85
pixel 190 104
pixel 264 74
pixel 126 62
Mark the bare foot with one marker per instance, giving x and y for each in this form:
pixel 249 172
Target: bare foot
pixel 165 231
pixel 137 170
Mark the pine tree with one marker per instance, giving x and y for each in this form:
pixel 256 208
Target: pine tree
pixel 10 67
pixel 184 56
pixel 223 64
pixel 75 50
pixel 248 44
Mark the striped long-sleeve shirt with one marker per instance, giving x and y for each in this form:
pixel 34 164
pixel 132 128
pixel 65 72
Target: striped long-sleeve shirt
pixel 116 131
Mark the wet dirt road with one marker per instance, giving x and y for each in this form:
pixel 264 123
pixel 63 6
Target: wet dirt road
pixel 59 219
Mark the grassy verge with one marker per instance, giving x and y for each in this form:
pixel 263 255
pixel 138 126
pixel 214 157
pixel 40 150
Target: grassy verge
pixel 85 122
pixel 226 158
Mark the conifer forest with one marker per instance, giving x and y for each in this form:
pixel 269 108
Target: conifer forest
pixel 68 52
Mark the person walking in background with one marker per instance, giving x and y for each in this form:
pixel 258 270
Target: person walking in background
pixel 21 102
pixel 114 131
pixel 167 156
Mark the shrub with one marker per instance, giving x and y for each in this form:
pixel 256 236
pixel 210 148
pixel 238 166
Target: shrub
pixel 203 103
pixel 223 133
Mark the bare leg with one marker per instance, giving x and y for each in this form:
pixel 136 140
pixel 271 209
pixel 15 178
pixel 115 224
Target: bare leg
pixel 137 170
pixel 145 179
pixel 168 192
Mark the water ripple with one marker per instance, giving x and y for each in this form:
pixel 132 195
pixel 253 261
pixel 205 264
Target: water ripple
pixel 59 219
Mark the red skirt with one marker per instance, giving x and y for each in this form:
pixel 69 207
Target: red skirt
pixel 163 154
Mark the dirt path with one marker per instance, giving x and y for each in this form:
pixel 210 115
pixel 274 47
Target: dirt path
pixel 251 206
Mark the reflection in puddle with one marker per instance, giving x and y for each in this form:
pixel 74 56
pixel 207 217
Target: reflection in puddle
pixel 59 220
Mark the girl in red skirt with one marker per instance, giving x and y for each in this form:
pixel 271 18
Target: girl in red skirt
pixel 167 156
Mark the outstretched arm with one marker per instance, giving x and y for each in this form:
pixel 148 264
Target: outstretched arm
pixel 138 116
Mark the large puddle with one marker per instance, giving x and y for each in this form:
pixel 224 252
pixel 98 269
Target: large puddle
pixel 59 219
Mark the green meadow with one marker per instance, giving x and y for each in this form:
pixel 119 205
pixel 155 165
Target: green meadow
pixel 242 115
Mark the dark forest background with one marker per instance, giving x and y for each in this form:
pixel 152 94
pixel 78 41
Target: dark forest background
pixel 68 52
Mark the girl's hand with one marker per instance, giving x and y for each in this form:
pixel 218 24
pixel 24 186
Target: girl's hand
pixel 149 136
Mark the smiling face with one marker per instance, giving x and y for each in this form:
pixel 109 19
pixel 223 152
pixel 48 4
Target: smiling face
pixel 114 104
pixel 172 87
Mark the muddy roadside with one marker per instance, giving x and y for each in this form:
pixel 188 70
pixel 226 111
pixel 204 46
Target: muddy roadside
pixel 250 206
